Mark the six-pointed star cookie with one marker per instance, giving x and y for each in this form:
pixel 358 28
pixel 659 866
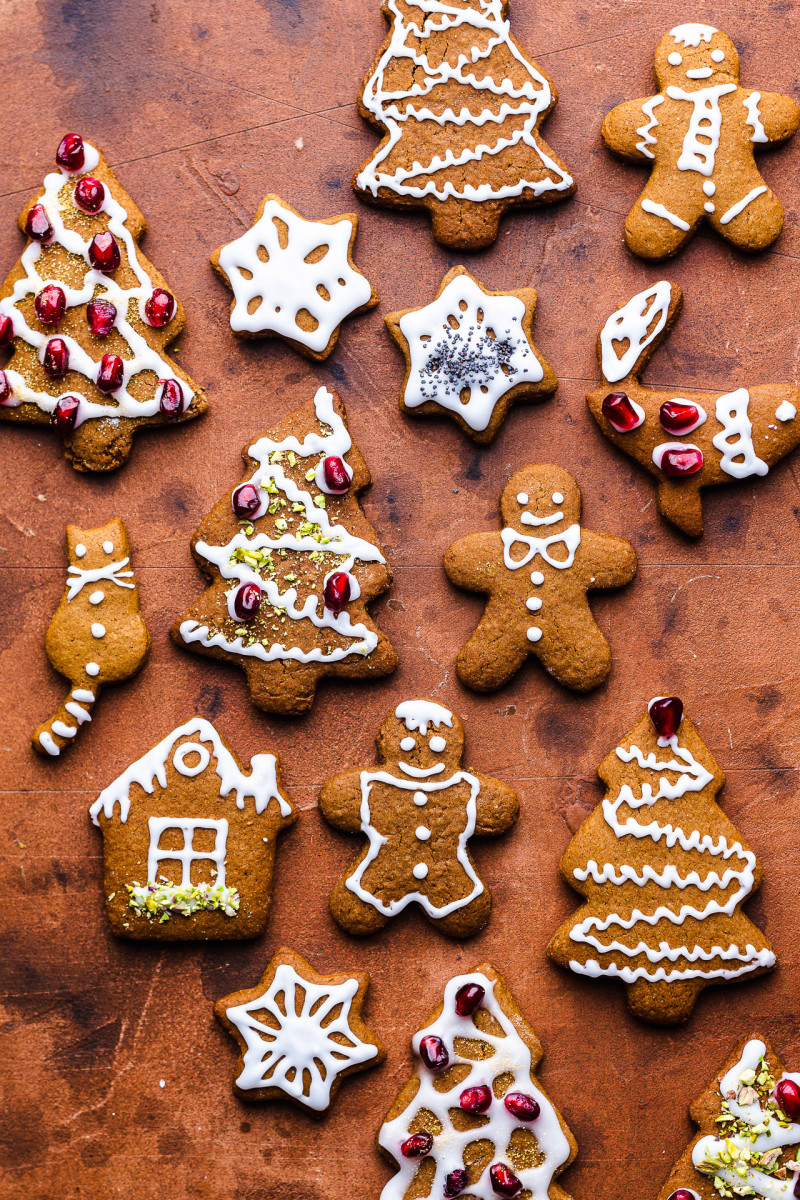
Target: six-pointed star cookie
pixel 299 1033
pixel 294 278
pixel 470 353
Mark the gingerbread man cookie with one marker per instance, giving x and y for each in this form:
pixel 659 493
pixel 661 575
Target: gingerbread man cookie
pixel 700 132
pixel 537 585
pixel 418 809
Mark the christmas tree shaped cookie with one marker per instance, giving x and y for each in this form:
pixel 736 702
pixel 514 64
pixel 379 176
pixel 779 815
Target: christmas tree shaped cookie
pixel 748 1122
pixel 461 105
pixel 685 442
pixel 664 874
pixel 537 585
pixel 699 134
pixel 292 563
pixel 97 635
pixel 474 1120
pixel 88 319
pixel 419 810
pixel 470 353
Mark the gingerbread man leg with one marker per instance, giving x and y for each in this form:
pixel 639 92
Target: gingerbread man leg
pixel 352 913
pixel 659 223
pixel 466 921
pixel 577 654
pixel 496 650
pixel 747 212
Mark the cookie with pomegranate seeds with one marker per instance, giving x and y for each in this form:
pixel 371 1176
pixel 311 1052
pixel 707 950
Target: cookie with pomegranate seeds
pixel 299 1033
pixel 419 809
pixel 685 442
pixel 292 564
pixel 537 584
pixel 97 635
pixel 89 319
pixel 748 1135
pixel 470 354
pixel 293 278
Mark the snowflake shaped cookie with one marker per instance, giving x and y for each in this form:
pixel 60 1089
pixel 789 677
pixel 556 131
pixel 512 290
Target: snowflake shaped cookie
pixel 470 353
pixel 294 278
pixel 299 1033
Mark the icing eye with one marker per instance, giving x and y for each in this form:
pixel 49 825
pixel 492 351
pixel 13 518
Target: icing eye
pixel 522 498
pixel 408 743
pixel 108 547
pixel 675 59
pixel 437 744
pixel 558 498
pixel 718 55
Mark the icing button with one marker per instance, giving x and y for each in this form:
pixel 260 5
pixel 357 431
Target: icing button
pixel 534 633
pixel 422 833
pixel 533 603
pixel 420 871
pixel 537 577
pixel 420 798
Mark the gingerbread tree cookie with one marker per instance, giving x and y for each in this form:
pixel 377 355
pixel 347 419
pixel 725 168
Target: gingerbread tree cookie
pixel 474 1120
pixel 418 809
pixel 699 133
pixel 461 105
pixel 97 635
pixel 294 278
pixel 470 353
pixel 543 611
pixel 89 319
pixel 292 563
pixel 299 1033
pixel 686 443
pixel 663 887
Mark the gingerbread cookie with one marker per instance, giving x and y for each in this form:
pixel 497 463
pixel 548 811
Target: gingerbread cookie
pixel 419 809
pixel 749 1132
pixel 470 353
pixel 474 1119
pixel 294 278
pixel 189 839
pixel 299 1033
pixel 460 104
pixel 663 887
pixel 685 442
pixel 88 319
pixel 700 132
pixel 292 563
pixel 97 635
pixel 544 611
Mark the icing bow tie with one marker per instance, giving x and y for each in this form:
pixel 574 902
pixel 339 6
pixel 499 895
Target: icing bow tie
pixel 570 539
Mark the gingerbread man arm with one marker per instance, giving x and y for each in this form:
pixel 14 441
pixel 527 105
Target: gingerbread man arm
pixel 779 116
pixel 622 130
pixel 497 806
pixel 340 800
pixel 609 561
pixel 472 562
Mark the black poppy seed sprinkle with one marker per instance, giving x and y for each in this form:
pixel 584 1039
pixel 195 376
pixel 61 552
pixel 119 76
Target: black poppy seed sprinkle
pixel 467 357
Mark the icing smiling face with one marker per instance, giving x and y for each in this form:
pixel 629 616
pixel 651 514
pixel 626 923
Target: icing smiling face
pixel 425 739
pixel 540 501
pixel 695 56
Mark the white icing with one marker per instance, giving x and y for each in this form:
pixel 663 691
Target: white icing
pixel 420 871
pixel 417 715
pixel 785 411
pixel 114 572
pixel 735 442
pixel 98 630
pixel 108 547
pixel 537 577
pixel 570 539
pixel 422 833
pixel 421 772
pixel 437 744
pixel 75 710
pixel 709 207
pixel 674 59
pixel 92 668
pixel 557 498
pixel 80 550
pixel 534 634
pixel 527 518
pixel 62 730
pixel 190 770
pixel 754 117
pixel 700 73
pixel 632 322
pixel 705 123
pixel 303 1050
pixel 186 855
pixel 742 204
pixel 692 34
pixel 658 210
pixel 718 56
pixel 84 695
pixel 46 741
pixel 522 497
pixel 408 743
pixel 709 187
pixel 420 799
pixel 484 355
pixel 287 284
pixel 417 21
pixel 97 597
pixel 507 1055
pixel 661 449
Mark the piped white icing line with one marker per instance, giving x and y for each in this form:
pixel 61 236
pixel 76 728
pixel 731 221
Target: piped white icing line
pixel 570 539
pixel 735 442
pixel 785 411
pixel 46 741
pixel 652 123
pixel 771 1134
pixel 509 1056
pixel 114 572
pixel 742 204
pixel 298 1052
pixel 62 730
pixel 632 323
pixel 661 449
pixel 692 34
pixel 186 855
pixel 659 210
pixel 705 123
pixel 417 715
pixel 474 70
pixel 287 283
pixel 486 353
pixel 260 785
pixel 754 117
pixel 144 358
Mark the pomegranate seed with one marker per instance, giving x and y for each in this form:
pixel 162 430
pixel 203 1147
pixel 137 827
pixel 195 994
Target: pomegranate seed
pixel 336 592
pixel 468 998
pixel 70 154
pixel 418 1145
pixel 89 194
pixel 160 308
pixel 666 713
pixel 521 1106
pixel 111 373
pixel 37 224
pixel 454 1183
pixel 50 304
pixel 56 358
pixel 101 315
pixel 65 414
pixel 6 332
pixel 620 412
pixel 476 1099
pixel 104 253
pixel 433 1053
pixel 678 416
pixel 171 402
pixel 6 390
pixel 504 1181
pixel 681 462
pixel 246 500
pixel 247 601
pixel 335 473
pixel 683 1194
pixel 787 1094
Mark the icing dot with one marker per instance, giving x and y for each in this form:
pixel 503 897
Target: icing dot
pixel 108 547
pixel 420 798
pixel 709 207
pixel 534 633
pixel 522 498
pixel 709 187
pixel 98 630
pixel 80 550
pixel 407 743
pixel 558 498
pixel 718 55
pixel 195 768
pixel 97 597
pixel 533 603
pixel 785 411
pixel 675 59
pixel 537 577
pixel 92 668
pixel 437 744
pixel 420 871
pixel 422 832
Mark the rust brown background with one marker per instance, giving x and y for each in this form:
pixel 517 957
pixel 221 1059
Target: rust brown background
pixel 199 105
